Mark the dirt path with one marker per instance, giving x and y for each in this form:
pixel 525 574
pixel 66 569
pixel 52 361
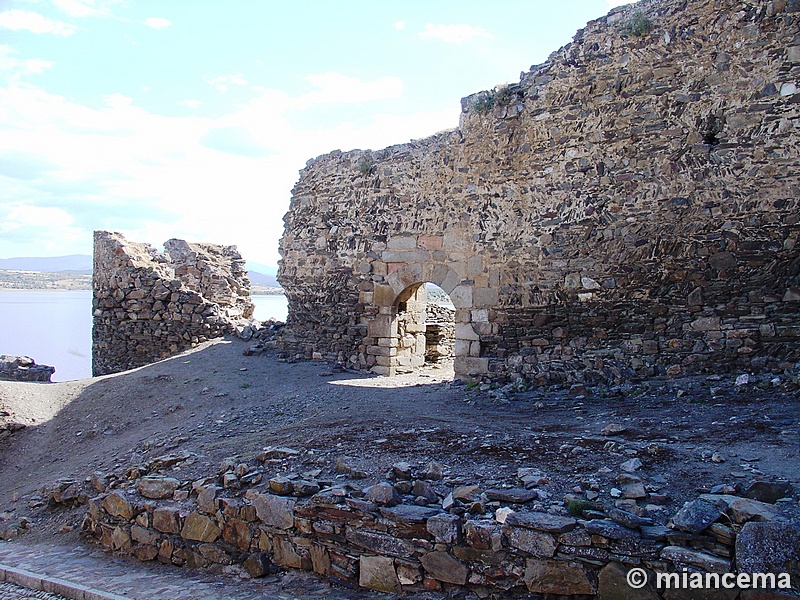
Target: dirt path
pixel 214 403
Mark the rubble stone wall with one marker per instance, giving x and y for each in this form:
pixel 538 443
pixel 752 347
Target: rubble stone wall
pixel 629 208
pixel 148 305
pixel 407 547
pixel 24 368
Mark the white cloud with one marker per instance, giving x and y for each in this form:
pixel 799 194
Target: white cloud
pixel 17 20
pixel 454 34
pixel 157 22
pixel 190 103
pixel 86 8
pixel 335 88
pixel 399 25
pixel 223 82
pixel 26 66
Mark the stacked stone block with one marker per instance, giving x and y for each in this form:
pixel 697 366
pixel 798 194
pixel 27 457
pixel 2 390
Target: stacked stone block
pixel 148 306
pixel 628 208
pixel 408 547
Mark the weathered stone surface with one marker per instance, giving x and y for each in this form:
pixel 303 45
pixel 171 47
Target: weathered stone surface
pixel 558 577
pixel 406 513
pixel 116 505
pixel 741 509
pixel 275 511
pixel 768 548
pixel 535 543
pixel 513 495
pixel 383 494
pixel 768 491
pixel 685 557
pixel 148 306
pixel 612 584
pixel 257 564
pixel 445 528
pixel 378 573
pixel 380 543
pixel 199 528
pixel 696 516
pixel 157 487
pixel 611 530
pixel 166 520
pixel 443 567
pixel 542 521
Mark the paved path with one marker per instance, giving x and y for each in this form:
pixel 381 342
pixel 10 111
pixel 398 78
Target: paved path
pixel 115 577
pixel 9 591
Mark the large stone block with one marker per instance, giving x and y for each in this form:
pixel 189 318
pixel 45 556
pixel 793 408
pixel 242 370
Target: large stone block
pixel 443 567
pixel 378 573
pixel 558 577
pixel 275 511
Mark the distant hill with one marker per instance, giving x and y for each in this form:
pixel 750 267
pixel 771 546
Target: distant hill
pixel 74 263
pixel 260 279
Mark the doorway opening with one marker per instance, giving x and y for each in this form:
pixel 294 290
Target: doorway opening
pixel 425 328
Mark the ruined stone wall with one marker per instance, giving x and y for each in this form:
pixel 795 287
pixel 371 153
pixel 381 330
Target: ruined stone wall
pixel 629 208
pixel 378 543
pixel 148 306
pixel 23 368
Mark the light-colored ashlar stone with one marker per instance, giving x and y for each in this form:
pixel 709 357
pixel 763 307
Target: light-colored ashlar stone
pixel 199 528
pixel 558 577
pixel 443 567
pixel 275 511
pixel 378 573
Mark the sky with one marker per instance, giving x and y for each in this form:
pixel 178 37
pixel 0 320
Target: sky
pixel 192 118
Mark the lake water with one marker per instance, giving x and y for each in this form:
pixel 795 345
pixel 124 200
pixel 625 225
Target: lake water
pixel 55 327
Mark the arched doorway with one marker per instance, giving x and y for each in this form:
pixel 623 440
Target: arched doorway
pixel 401 294
pixel 425 327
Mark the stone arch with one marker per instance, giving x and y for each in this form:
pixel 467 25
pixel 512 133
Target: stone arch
pixel 402 283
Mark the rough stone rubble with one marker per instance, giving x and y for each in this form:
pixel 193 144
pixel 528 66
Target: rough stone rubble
pixel 148 305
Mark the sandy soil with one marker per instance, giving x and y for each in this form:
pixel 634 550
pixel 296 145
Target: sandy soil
pixel 215 403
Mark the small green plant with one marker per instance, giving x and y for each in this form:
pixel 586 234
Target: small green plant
pixel 638 25
pixel 484 103
pixel 244 385
pixel 366 165
pixel 473 385
pixel 576 507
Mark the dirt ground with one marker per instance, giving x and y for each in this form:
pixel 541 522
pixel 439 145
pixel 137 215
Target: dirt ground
pixel 214 403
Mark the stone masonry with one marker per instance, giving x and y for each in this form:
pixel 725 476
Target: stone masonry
pixel 628 209
pixel 148 306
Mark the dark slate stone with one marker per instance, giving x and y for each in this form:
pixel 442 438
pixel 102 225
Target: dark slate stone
pixel 542 522
pixel 628 519
pixel 514 495
pixel 768 547
pixel 696 516
pixel 611 530
pixel 768 491
pixel 409 513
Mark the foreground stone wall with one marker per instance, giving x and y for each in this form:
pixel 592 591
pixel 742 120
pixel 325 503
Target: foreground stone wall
pixel 24 368
pixel 374 540
pixel 148 306
pixel 629 208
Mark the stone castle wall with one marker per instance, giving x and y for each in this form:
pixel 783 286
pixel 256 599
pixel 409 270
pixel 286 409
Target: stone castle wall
pixel 148 306
pixel 629 208
pixel 378 543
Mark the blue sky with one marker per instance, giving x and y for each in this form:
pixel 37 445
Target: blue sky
pixel 191 119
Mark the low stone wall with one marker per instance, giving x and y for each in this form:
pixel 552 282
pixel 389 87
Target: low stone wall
pixel 381 541
pixel 23 368
pixel 148 305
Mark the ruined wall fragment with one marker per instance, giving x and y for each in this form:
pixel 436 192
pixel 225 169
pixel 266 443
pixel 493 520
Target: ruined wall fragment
pixel 148 305
pixel 629 208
